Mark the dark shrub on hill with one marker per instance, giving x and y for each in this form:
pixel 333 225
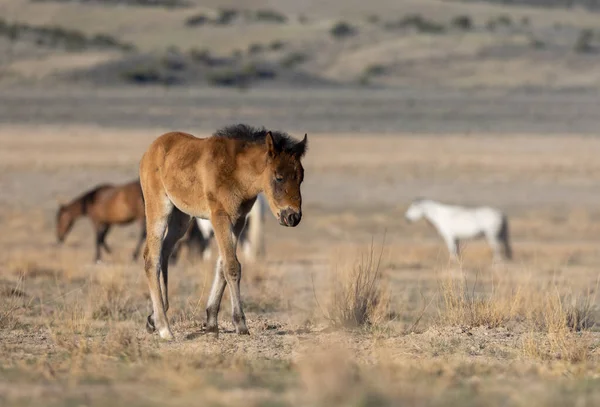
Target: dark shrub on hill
pixel 342 30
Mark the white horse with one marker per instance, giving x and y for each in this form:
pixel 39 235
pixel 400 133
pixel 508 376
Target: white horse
pixel 252 239
pixel 457 222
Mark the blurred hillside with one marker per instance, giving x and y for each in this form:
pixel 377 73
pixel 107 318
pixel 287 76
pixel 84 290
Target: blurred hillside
pixel 381 43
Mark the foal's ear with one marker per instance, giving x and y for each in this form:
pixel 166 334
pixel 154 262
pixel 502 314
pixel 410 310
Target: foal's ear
pixel 270 145
pixel 300 148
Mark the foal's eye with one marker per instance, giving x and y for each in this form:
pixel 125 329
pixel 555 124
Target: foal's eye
pixel 278 178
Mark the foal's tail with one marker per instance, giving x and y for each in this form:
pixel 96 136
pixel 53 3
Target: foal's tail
pixel 255 245
pixel 505 238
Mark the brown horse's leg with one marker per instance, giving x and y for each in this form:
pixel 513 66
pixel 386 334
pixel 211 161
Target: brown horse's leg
pixel 177 226
pixel 141 239
pixel 227 236
pixel 158 210
pixel 104 240
pixel 101 230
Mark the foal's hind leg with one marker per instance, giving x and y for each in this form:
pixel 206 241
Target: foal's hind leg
pixel 158 209
pixel 177 226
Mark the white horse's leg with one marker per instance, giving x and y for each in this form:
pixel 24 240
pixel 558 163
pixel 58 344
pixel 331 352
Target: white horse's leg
pixel 495 245
pixel 247 250
pixel 254 244
pixel 207 231
pixel 453 247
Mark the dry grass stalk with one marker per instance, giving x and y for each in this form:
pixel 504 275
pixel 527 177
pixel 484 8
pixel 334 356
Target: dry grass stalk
pixel 12 301
pixel 359 297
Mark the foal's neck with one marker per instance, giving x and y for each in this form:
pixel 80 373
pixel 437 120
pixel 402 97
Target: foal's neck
pixel 251 164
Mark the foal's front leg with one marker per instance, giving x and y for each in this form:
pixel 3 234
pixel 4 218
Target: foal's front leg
pixel 228 271
pixel 214 299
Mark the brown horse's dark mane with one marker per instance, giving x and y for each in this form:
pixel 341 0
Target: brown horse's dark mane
pixel 86 199
pixel 283 142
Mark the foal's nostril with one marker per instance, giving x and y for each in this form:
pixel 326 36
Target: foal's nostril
pixel 294 218
pixel 289 217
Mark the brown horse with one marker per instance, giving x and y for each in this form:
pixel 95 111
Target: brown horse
pixel 216 178
pixel 105 205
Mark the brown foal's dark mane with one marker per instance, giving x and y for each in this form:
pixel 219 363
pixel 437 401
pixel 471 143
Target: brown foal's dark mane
pixel 282 141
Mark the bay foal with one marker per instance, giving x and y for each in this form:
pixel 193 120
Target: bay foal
pixel 105 205
pixel 216 178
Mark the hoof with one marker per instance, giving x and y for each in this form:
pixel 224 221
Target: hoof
pixel 165 334
pixel 212 330
pixel 242 330
pixel 150 325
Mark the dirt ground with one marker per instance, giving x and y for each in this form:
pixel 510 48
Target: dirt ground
pixel 72 332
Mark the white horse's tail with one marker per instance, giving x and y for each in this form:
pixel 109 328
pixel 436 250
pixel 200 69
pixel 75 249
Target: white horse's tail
pixel 505 238
pixel 254 243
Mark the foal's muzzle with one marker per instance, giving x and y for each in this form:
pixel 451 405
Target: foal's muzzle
pixel 289 217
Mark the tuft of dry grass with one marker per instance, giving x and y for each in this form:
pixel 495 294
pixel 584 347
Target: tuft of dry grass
pixel 562 323
pixel 123 343
pixel 461 304
pixel 11 299
pixel 112 297
pixel 358 296
pixel 556 325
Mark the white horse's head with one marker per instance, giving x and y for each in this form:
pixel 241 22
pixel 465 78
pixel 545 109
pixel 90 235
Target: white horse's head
pixel 415 211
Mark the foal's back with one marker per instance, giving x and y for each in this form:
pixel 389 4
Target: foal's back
pixel 189 169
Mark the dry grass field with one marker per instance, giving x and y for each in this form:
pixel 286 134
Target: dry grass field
pixel 353 307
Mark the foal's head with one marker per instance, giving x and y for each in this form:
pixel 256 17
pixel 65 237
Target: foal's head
pixel 283 175
pixel 64 222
